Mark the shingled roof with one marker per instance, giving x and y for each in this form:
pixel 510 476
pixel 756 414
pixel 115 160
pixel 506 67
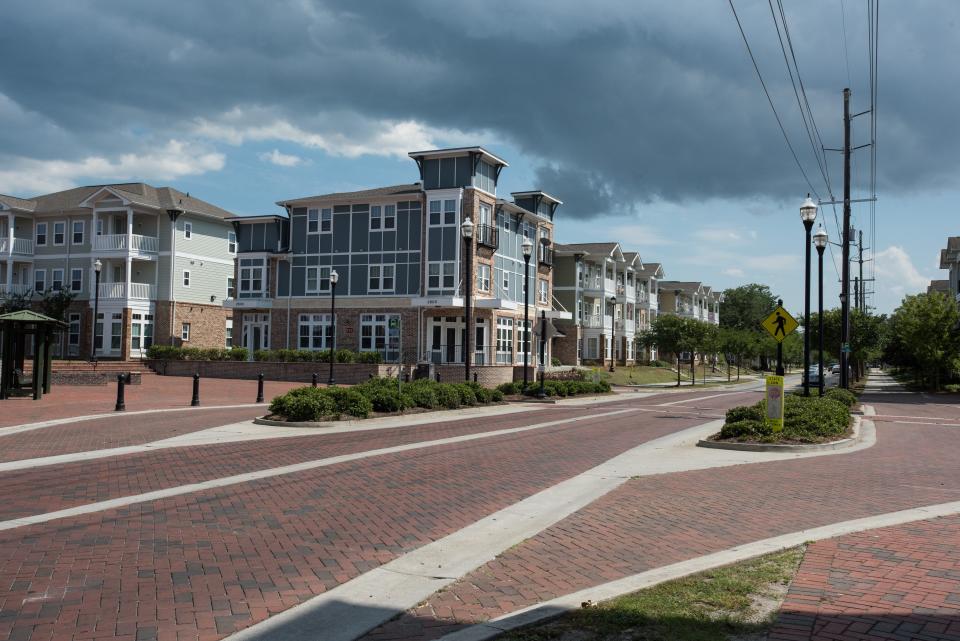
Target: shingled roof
pixel 17 203
pixel 413 189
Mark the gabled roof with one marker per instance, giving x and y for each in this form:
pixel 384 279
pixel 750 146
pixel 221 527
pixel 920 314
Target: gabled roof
pixel 412 189
pixel 633 260
pixel 30 316
pixel 19 204
pixel 651 270
pixel 951 254
pixel 161 198
pixel 938 286
pixel 607 250
pixel 689 287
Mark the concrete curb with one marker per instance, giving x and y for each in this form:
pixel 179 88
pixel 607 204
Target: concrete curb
pixel 788 447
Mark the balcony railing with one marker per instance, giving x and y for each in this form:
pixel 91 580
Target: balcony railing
pixel 453 355
pixel 118 242
pixel 593 321
pixel 488 236
pixel 109 291
pixel 546 256
pixel 23 246
pixel 15 290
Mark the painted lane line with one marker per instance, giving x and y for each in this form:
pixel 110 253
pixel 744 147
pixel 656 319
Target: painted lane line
pixel 703 398
pixel 352 609
pixel 919 423
pixel 29 427
pixel 246 477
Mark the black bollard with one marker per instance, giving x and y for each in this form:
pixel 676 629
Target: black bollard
pixel 260 387
pixel 315 377
pixel 406 377
pixel 438 377
pixel 475 377
pixel 121 403
pixel 195 401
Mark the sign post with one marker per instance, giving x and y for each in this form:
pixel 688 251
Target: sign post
pixel 780 324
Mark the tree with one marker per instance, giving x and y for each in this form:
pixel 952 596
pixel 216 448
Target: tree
pixel 746 306
pixel 15 302
pixel 867 336
pixel 55 303
pixel 923 335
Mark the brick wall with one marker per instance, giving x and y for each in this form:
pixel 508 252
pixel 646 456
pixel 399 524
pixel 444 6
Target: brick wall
pixel 344 373
pixel 487 375
pixel 566 348
pixel 208 324
pixel 348 325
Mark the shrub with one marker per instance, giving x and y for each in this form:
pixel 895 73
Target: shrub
pixel 163 352
pixel 447 396
pixel 844 396
pixel 804 419
pixel 509 389
pixel 238 354
pixel 422 394
pixel 745 413
pixel 366 357
pixel 555 362
pixel 345 356
pixel 659 363
pixel 496 396
pixel 747 428
pixel 305 404
pixel 467 396
pixel 569 388
pixel 384 395
pixel 350 401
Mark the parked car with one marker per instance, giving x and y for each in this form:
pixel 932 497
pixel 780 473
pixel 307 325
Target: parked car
pixel 813 375
pixel 835 368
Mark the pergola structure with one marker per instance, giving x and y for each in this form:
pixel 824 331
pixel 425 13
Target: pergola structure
pixel 15 329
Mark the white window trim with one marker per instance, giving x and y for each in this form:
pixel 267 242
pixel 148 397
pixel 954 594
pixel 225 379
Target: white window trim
pixel 230 296
pixel 54 233
pixel 83 232
pixel 46 234
pixel 441 200
pixel 187 230
pixel 72 270
pixel 543 293
pixel 53 276
pixel 185 332
pixel 228 334
pixel 481 269
pixel 185 278
pixel 326 322
pixel 382 276
pixel 39 274
pixel 319 213
pixel 233 242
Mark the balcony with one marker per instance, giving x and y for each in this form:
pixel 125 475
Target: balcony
pixel 21 246
pixel 546 256
pixel 488 236
pixel 594 321
pixel 15 290
pixel 118 243
pixel 118 291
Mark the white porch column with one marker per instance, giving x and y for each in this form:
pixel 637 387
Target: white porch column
pixel 129 229
pixel 9 273
pixel 93 232
pixel 128 271
pixel 10 222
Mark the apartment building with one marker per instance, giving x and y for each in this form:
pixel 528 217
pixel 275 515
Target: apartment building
pixel 598 283
pixel 401 266
pixel 648 303
pixel 950 260
pixel 166 265
pixel 690 299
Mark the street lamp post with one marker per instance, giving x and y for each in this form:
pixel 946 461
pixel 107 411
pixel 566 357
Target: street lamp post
pixel 466 230
pixel 808 214
pixel 527 247
pixel 820 240
pixel 97 267
pixel 334 277
pixel 613 335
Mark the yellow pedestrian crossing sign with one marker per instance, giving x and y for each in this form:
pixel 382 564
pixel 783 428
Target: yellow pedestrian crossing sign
pixel 780 324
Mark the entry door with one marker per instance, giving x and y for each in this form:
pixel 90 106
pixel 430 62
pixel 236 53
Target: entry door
pixel 256 333
pixel 451 345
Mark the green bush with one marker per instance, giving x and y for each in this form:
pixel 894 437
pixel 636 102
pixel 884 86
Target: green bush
pixel 804 419
pixel 746 429
pixel 345 356
pixel 509 389
pixel 366 357
pixel 555 362
pixel 659 363
pixel 305 404
pixel 467 395
pixel 447 396
pixel 844 396
pixel 745 413
pixel 422 393
pixel 350 401
pixel 384 395
pixel 568 388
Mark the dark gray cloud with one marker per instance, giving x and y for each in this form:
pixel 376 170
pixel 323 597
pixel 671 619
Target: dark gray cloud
pixel 623 102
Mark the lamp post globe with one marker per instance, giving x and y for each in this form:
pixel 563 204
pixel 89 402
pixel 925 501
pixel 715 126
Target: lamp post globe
pixel 820 239
pixel 527 248
pixel 808 214
pixel 334 277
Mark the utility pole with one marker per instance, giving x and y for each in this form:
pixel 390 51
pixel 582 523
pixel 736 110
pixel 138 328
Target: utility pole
pixel 856 290
pixel 845 278
pixel 862 301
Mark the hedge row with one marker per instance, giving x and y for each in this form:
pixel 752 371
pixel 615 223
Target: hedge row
pixel 171 353
pixel 556 388
pixel 318 356
pixel 378 395
pixel 805 420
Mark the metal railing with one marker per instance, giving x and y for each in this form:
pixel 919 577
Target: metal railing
pixel 453 355
pixel 488 236
pixel 118 242
pixel 594 321
pixel 15 290
pixel 111 291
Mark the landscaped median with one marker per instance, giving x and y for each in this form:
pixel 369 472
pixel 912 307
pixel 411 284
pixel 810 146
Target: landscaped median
pixel 808 421
pixel 382 396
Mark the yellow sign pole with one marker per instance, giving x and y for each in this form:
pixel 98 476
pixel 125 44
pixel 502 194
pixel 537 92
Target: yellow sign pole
pixel 775 402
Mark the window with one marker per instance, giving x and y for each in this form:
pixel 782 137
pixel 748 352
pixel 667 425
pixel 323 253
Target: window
pixel 443 213
pixel 188 230
pixel 523 345
pixel 228 343
pixel 441 275
pixel 315 331
pixel 381 333
pixel 141 331
pixel 232 242
pixel 99 230
pixel 375 218
pixel 185 332
pixel 57 283
pixel 380 278
pixel 73 335
pixel 76 279
pixel 231 287
pixel 390 217
pixel 505 281
pixel 326 221
pixel 543 291
pixel 98 333
pixel 318 279
pixel 41 233
pixel 505 340
pixel 252 277
pixel 186 278
pixel 59 233
pixel 78 228
pixel 40 280
pixel 313 221
pixel 116 331
pixel 483 278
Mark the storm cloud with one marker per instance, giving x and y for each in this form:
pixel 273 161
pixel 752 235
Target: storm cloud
pixel 618 103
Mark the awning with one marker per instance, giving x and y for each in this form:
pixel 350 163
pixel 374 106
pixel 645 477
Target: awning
pixel 552 331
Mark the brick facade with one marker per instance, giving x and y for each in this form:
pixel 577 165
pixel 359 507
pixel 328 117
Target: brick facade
pixel 566 348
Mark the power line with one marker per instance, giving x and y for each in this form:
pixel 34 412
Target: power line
pixel 770 100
